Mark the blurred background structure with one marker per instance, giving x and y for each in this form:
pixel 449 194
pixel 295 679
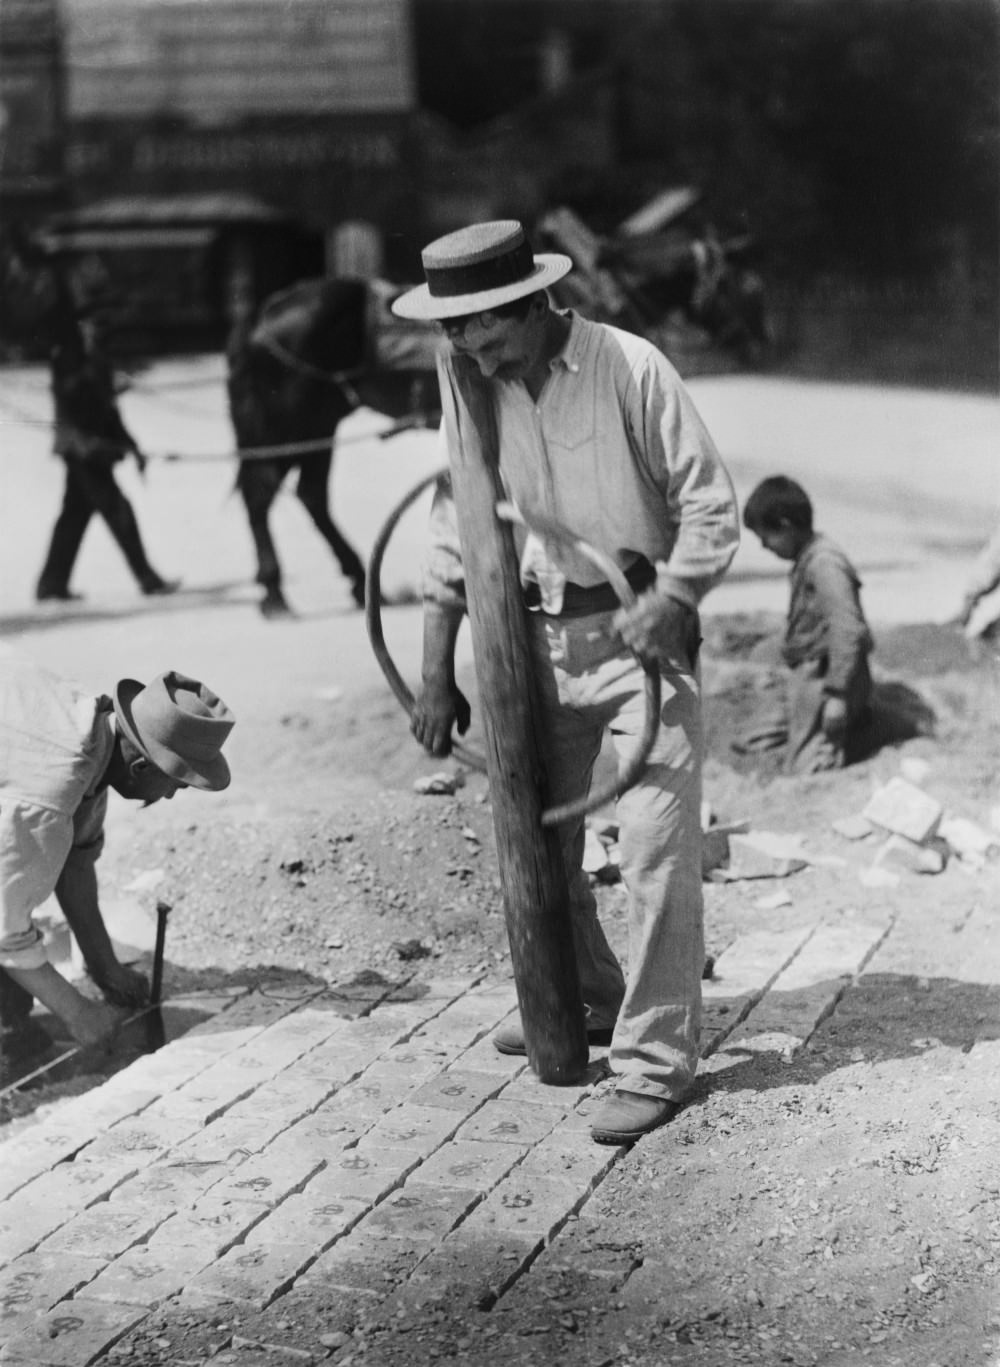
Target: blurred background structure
pixel 190 157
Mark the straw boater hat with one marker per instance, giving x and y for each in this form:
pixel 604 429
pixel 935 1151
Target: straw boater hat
pixel 478 268
pixel 179 725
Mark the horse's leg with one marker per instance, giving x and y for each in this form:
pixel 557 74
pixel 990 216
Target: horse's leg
pixel 259 482
pixel 313 490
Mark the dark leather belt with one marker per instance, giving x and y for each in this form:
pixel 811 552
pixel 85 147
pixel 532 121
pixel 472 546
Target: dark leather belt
pixel 580 602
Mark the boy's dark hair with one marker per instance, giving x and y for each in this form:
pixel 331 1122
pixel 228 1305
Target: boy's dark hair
pixel 778 502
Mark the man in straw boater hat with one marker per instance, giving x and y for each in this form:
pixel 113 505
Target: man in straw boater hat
pixel 60 750
pixel 596 430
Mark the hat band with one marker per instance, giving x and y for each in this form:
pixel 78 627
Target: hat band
pixel 189 747
pixel 445 282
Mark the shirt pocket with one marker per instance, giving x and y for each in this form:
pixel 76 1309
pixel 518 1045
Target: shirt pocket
pixel 572 424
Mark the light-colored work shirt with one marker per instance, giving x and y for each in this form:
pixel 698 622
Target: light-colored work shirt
pixel 616 451
pixel 55 746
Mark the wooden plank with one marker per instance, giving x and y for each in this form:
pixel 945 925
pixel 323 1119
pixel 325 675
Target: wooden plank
pixel 532 876
pixel 979 944
pixel 834 951
pixel 928 943
pixel 808 990
pixel 743 973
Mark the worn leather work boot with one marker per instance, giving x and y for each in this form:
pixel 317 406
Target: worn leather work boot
pixel 627 1116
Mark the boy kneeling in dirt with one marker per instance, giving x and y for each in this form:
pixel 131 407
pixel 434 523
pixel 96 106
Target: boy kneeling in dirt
pixel 827 640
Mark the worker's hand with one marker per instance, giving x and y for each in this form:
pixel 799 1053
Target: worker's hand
pixel 122 986
pixel 660 629
pixel 436 709
pixel 834 719
pixel 92 1023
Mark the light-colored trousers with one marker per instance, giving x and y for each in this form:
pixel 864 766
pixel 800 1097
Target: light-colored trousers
pixel 588 683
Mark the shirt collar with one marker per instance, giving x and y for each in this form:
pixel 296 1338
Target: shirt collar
pixel 569 357
pixel 108 731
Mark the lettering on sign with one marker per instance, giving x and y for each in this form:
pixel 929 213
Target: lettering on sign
pixel 152 153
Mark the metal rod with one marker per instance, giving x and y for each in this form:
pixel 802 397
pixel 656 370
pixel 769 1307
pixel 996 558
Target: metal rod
pixel 163 910
pixel 373 615
pixel 71 1053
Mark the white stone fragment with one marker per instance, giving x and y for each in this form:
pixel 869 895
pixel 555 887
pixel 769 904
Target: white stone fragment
pixel 905 809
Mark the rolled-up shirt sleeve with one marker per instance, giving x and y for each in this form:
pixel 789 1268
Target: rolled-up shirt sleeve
pixel 699 494
pixel 443 574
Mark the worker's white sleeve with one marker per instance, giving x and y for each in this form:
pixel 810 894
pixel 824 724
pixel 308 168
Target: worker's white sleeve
pixel 34 845
pixel 697 489
pixel 443 572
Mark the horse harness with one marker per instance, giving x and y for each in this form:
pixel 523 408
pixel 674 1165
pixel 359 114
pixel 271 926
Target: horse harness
pixel 340 379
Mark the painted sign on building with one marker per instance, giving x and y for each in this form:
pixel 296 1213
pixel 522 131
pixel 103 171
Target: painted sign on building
pixel 229 60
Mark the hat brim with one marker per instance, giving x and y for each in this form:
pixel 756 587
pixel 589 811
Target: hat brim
pixel 420 304
pixel 212 776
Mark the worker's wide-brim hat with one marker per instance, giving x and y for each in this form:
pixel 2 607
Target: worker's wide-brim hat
pixel 479 268
pixel 179 725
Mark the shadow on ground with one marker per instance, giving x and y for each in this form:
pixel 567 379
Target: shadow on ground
pixel 50 1067
pixel 47 616
pixel 881 1017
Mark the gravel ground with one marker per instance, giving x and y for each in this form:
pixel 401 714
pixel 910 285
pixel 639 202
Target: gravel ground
pixel 837 1210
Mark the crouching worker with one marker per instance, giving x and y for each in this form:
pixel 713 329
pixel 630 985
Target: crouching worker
pixel 827 641
pixel 60 751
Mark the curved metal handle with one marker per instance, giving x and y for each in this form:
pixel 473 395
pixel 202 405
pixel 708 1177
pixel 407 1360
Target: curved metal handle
pixel 373 615
pixel 552 530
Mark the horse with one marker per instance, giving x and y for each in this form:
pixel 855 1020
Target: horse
pixel 305 362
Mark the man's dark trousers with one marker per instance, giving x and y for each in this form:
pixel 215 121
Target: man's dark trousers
pixel 91 488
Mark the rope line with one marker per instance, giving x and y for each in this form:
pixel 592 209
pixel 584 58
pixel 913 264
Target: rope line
pixel 340 379
pixel 20 415
pixel 192 382
pixel 409 423
pixel 293 448
pixel 412 422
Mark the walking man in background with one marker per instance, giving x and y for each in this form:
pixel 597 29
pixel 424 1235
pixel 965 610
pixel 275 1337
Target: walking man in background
pixel 596 430
pixel 60 750
pixel 91 438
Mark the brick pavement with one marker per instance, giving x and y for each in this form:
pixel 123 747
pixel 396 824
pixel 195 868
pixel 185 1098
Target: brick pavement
pixel 305 1159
